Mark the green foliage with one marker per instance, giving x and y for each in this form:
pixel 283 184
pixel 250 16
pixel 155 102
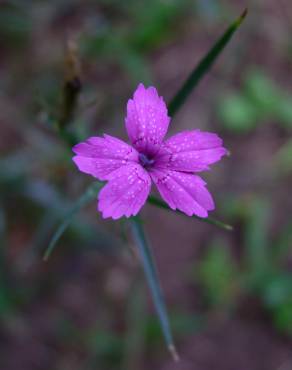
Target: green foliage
pixel 262 91
pixel 218 276
pixel 209 220
pixel 182 324
pixel 150 23
pixel 6 300
pixel 154 23
pixel 107 347
pixel 85 198
pixel 149 267
pixel 15 25
pixel 203 66
pixel 260 99
pixel 283 110
pixel 260 271
pixel 256 239
pixel 237 113
pixel 281 164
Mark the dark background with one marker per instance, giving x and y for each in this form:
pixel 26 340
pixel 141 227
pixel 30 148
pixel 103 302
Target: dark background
pixel 229 294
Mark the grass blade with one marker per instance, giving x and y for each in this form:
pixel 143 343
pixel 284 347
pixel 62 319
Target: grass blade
pixel 153 282
pixel 204 65
pixel 85 198
pixel 209 220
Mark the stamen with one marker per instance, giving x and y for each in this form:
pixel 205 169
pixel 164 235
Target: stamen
pixel 145 161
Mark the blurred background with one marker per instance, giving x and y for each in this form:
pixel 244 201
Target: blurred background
pixel 229 294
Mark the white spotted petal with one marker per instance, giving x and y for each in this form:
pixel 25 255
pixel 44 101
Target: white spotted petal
pixel 100 156
pixel 147 120
pixel 125 193
pixel 191 151
pixel 183 191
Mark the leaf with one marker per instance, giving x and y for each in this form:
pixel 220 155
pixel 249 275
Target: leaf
pixel 85 198
pixel 219 276
pixel 2 228
pixel 282 160
pixel 256 237
pixel 262 92
pixel 281 247
pixel 16 25
pixel 284 111
pixel 237 113
pixel 134 338
pixel 278 290
pixel 203 67
pixel 153 281
pixel 159 203
pixel 282 317
pixel 155 22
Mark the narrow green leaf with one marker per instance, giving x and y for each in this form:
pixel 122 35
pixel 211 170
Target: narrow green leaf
pixel 85 198
pixel 134 338
pixel 159 203
pixel 153 281
pixel 203 67
pixel 256 236
pixel 281 247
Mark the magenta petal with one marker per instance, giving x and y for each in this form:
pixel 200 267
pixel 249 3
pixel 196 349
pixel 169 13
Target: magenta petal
pixel 125 193
pixel 100 156
pixel 147 120
pixel 183 191
pixel 190 151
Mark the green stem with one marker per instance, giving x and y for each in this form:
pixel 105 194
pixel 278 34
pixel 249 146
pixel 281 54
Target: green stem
pixel 153 281
pixel 204 65
pixel 209 220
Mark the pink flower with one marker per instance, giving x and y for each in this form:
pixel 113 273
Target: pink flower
pixel 170 163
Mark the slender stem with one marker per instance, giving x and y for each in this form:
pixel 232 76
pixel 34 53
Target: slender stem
pixel 209 220
pixel 153 282
pixel 204 65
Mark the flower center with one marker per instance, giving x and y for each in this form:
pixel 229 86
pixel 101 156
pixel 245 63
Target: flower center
pixel 145 161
